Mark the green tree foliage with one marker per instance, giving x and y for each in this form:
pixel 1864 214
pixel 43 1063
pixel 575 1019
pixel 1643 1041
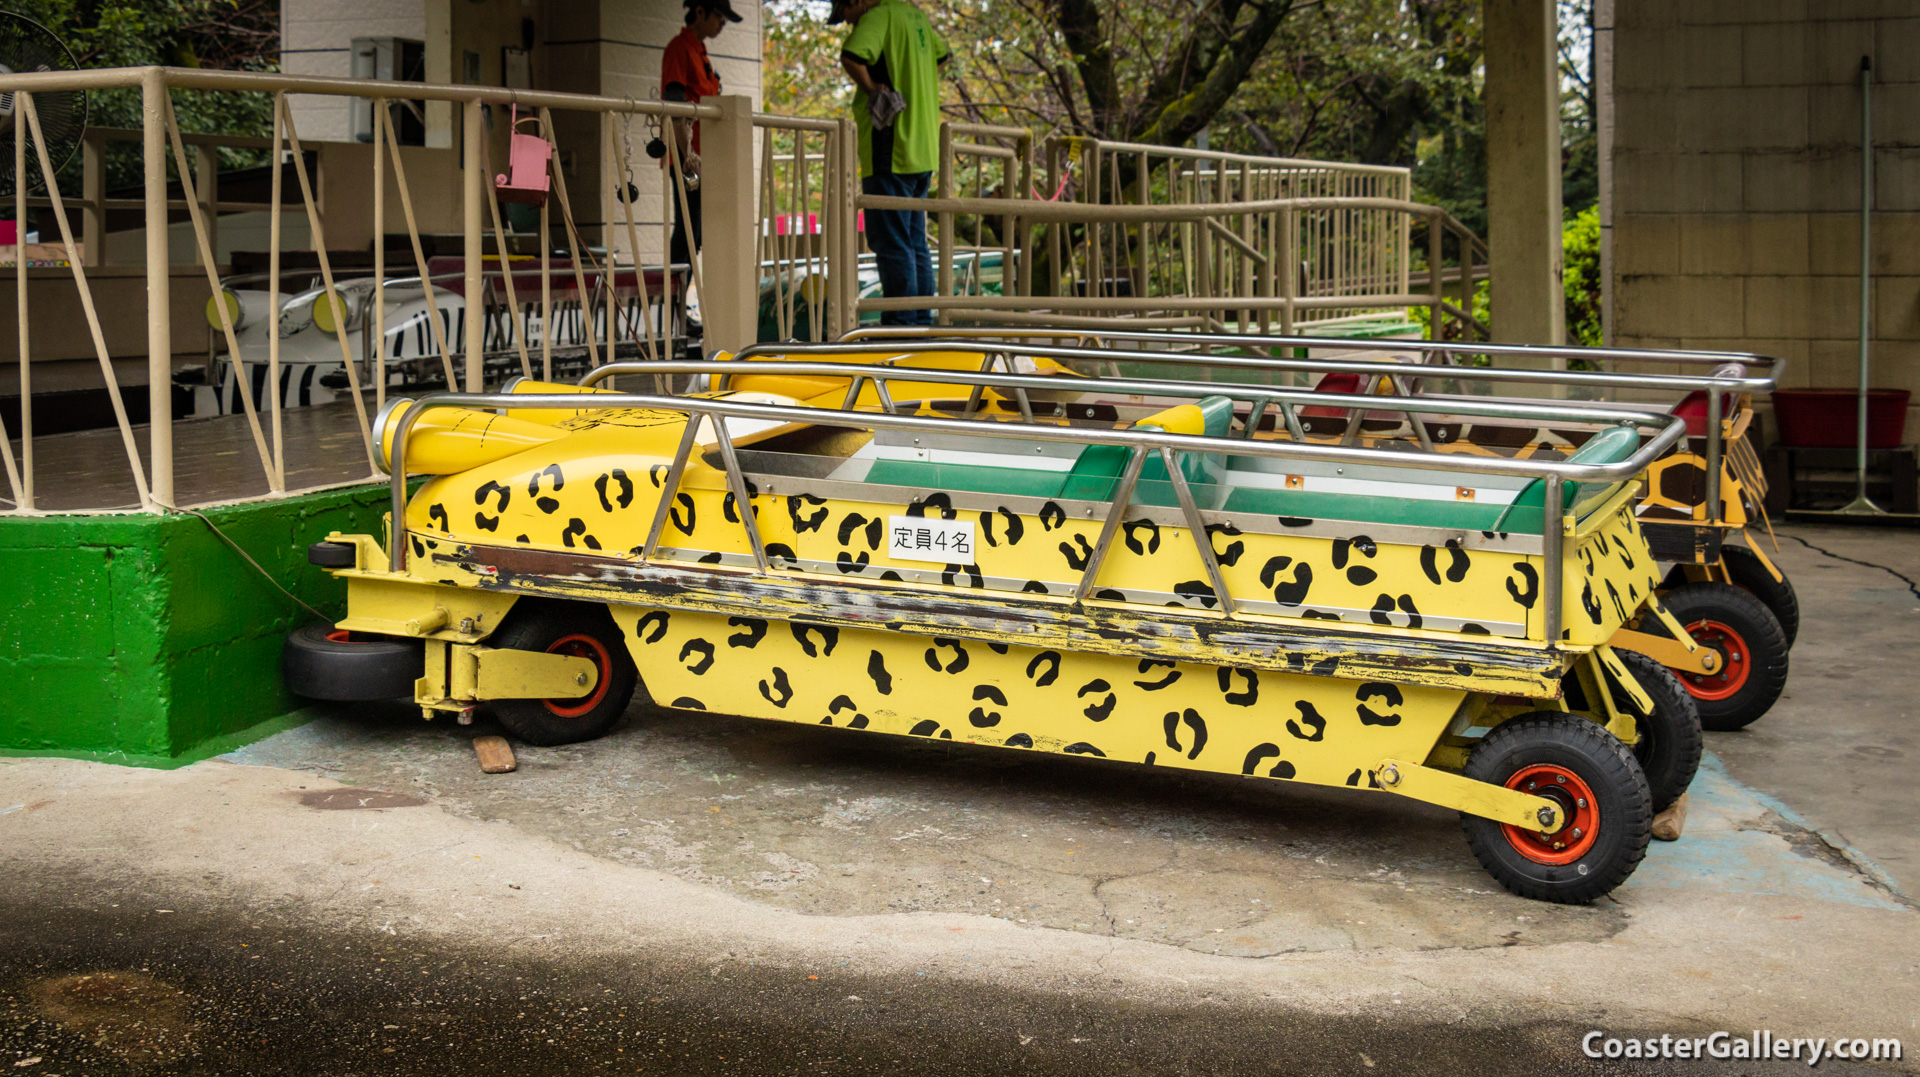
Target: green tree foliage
pixel 227 34
pixel 1580 276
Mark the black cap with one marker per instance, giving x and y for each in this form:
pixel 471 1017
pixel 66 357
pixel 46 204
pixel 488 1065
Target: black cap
pixel 721 6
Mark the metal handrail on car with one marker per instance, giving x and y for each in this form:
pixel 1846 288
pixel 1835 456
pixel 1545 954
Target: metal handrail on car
pixel 1554 474
pixel 1714 386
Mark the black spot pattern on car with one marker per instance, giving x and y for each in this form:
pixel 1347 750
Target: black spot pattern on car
pixel 1381 690
pixel 997 648
pixel 802 634
pixel 704 650
pixel 1230 556
pixel 1245 698
pixel 480 495
pixel 687 703
pixel 1619 609
pixel 1191 718
pixel 1590 603
pixel 1102 710
pixel 1173 674
pixel 522 538
pixel 653 626
pixel 1051 516
pixel 1195 591
pixel 890 576
pixel 1354 778
pixel 1457 562
pixel 959 661
pixel 1310 719
pixel 952 573
pixel 782 551
pixel 1083 748
pixel 683 524
pixel 1048 659
pixel 618 477
pixel 1471 629
pixel 1294 521
pixel 1111 594
pixel 1034 587
pixel 876 530
pixel 577 526
pixel 753 630
pixel 980 717
pixel 798 507
pixel 779 693
pixel 924 728
pixel 1019 740
pixel 850 565
pixel 942 502
pixel 844 703
pixel 732 515
pixel 877 670
pixel 710 558
pixel 1361 575
pixel 546 504
pixel 1287 594
pixel 1531 594
pixel 657 474
pixel 1077 561
pixel 1015 527
pixel 437 516
pixel 1150 545
pixel 1259 754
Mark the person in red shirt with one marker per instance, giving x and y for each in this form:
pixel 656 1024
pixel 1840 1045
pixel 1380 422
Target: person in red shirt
pixel 687 75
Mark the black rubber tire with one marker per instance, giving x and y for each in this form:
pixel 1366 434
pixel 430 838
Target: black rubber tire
pixel 1747 573
pixel 543 625
pixel 1670 742
pixel 333 555
pixel 1766 657
pixel 1620 793
pixel 358 668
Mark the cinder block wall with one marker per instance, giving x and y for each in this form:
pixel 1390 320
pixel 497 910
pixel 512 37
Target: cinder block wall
pixel 1736 181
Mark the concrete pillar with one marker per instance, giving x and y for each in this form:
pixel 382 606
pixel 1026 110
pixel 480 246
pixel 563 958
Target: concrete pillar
pixel 1523 171
pixel 730 271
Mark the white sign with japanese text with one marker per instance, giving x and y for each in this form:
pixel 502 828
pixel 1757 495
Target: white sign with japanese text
pixel 919 538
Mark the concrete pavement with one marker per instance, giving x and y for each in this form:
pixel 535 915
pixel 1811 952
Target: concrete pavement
pixel 816 894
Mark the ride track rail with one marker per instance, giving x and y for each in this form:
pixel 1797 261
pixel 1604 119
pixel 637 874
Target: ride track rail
pixel 1553 474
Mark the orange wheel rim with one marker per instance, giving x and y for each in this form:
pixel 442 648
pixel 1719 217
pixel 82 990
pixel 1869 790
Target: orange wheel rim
pixel 579 646
pixel 1736 661
pixel 1579 815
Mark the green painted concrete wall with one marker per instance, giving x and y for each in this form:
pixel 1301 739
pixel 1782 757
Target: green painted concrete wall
pixel 145 639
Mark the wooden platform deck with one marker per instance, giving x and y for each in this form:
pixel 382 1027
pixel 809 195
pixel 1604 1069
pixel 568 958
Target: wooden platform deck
pixel 214 460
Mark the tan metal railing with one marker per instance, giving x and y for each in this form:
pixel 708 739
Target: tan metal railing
pixel 728 226
pixel 1202 239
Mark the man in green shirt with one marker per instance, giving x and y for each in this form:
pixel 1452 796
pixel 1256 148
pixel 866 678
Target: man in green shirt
pixel 893 56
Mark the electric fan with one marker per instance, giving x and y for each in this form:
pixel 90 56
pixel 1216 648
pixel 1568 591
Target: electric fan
pixel 26 45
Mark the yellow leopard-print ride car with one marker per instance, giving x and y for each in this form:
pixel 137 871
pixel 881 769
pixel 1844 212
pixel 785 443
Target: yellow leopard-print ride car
pixel 1044 567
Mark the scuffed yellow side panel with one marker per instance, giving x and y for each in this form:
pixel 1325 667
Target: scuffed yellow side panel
pixel 1610 574
pixel 1163 713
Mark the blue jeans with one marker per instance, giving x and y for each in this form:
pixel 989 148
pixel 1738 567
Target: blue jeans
pixel 899 242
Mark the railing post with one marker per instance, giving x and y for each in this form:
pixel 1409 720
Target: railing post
pixel 207 159
pixel 943 272
pixel 153 157
pixel 730 278
pixel 93 195
pixel 1436 253
pixel 472 191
